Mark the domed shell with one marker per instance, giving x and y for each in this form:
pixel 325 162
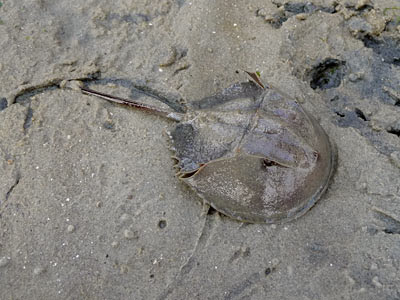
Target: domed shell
pixel 254 155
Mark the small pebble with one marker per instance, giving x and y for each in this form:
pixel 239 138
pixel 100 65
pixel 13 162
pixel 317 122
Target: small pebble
pixel 123 269
pixel 63 84
pixel 108 125
pixel 376 282
pixel 376 126
pixel 38 270
pixel 162 224
pixel 4 261
pixel 129 234
pixel 99 204
pixel 74 85
pixel 395 158
pixel 262 12
pixel 274 262
pixel 301 16
pixel 71 228
pixel 269 18
pixel 114 244
pixel 355 76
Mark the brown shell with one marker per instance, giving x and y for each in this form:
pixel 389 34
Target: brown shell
pixel 254 154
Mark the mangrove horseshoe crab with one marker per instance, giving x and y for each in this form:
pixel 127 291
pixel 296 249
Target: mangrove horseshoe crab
pixel 252 153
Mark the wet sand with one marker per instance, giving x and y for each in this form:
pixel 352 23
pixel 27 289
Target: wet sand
pixel 90 207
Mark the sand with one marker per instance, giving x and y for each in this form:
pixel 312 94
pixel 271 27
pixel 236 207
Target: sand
pixel 90 207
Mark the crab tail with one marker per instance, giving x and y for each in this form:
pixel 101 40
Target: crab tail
pixel 145 107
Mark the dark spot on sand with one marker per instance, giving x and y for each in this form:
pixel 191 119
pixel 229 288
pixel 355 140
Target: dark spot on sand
pixel 394 130
pixel 28 118
pixel 327 74
pixel 162 224
pixel 360 114
pixel 108 125
pixel 3 104
pixel 387 48
pixel 211 211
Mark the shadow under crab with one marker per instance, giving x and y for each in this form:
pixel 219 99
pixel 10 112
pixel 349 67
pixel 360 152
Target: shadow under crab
pixel 252 153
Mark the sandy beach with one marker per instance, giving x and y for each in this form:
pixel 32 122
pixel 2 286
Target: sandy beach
pixel 90 207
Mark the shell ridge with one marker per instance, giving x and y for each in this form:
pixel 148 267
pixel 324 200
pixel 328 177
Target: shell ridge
pixel 250 125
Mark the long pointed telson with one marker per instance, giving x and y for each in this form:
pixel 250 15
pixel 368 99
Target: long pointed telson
pixel 149 108
pixel 145 107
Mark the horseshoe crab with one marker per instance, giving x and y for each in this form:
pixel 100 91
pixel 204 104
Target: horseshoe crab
pixel 252 153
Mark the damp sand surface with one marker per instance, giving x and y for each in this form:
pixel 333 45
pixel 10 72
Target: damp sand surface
pixel 90 207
